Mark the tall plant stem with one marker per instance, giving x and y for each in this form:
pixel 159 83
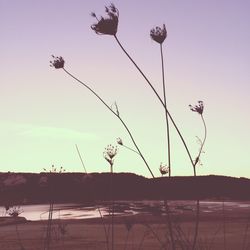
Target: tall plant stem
pixel 170 227
pixel 117 115
pixel 159 98
pixel 48 233
pixel 78 152
pixel 166 113
pixel 198 201
pixel 197 220
pixel 112 206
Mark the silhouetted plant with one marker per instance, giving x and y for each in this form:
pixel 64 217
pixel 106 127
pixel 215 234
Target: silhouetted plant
pixel 120 142
pixel 162 33
pixel 108 25
pixel 128 225
pixel 159 35
pixel 54 63
pixel 198 109
pixel 109 154
pixel 14 212
pixel 164 169
pixel 50 181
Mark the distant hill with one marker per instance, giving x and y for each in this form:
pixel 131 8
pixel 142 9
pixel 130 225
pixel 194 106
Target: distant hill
pixel 19 188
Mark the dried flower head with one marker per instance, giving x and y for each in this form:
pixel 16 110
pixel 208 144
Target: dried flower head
pixel 119 141
pixel 57 62
pixel 197 108
pixel 159 34
pixel 164 169
pixel 109 153
pixel 107 25
pixel 14 211
pixel 54 170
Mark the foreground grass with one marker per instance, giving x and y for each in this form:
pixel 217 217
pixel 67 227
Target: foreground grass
pixel 146 233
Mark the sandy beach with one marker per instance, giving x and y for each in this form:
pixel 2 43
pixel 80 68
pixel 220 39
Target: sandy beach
pixel 144 232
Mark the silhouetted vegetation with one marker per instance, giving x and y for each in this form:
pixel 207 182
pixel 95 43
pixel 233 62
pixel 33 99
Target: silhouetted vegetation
pixel 78 187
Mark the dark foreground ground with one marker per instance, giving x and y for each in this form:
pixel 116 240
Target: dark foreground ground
pixel 217 230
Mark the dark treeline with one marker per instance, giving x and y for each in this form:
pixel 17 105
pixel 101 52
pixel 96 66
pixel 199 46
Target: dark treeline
pixel 77 187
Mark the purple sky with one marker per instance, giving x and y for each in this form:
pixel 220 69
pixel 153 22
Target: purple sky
pixel 45 113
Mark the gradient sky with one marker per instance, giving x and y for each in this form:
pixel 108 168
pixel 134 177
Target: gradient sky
pixel 44 113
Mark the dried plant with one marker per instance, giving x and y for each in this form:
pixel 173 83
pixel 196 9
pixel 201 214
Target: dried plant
pixel 58 62
pixel 199 110
pixel 107 25
pixel 164 169
pixel 109 154
pixel 49 181
pixel 14 211
pixel 158 34
pixel 116 112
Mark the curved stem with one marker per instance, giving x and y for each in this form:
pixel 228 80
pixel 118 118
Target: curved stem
pixel 159 98
pixel 203 142
pixel 118 116
pixel 166 113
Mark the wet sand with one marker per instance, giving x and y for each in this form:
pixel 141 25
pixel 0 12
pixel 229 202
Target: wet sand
pixel 146 232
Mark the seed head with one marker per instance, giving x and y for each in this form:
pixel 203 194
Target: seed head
pixel 158 34
pixel 164 169
pixel 197 108
pixel 107 25
pixel 57 62
pixel 109 153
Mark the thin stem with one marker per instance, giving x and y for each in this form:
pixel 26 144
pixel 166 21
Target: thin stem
pixel 224 225
pixel 126 242
pixel 104 227
pixel 203 142
pixel 48 234
pixel 81 158
pixel 130 149
pixel 198 202
pixel 197 220
pixel 118 116
pixel 159 98
pixel 170 228
pixel 18 236
pixel 166 113
pixel 112 207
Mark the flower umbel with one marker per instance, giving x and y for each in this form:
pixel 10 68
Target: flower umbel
pixel 107 25
pixel 159 34
pixel 197 108
pixel 164 169
pixel 109 153
pixel 57 63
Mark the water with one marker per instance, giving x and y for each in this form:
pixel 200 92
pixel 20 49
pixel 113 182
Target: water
pixel 88 210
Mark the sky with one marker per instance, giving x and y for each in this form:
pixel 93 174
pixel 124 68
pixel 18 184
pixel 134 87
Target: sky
pixel 45 113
